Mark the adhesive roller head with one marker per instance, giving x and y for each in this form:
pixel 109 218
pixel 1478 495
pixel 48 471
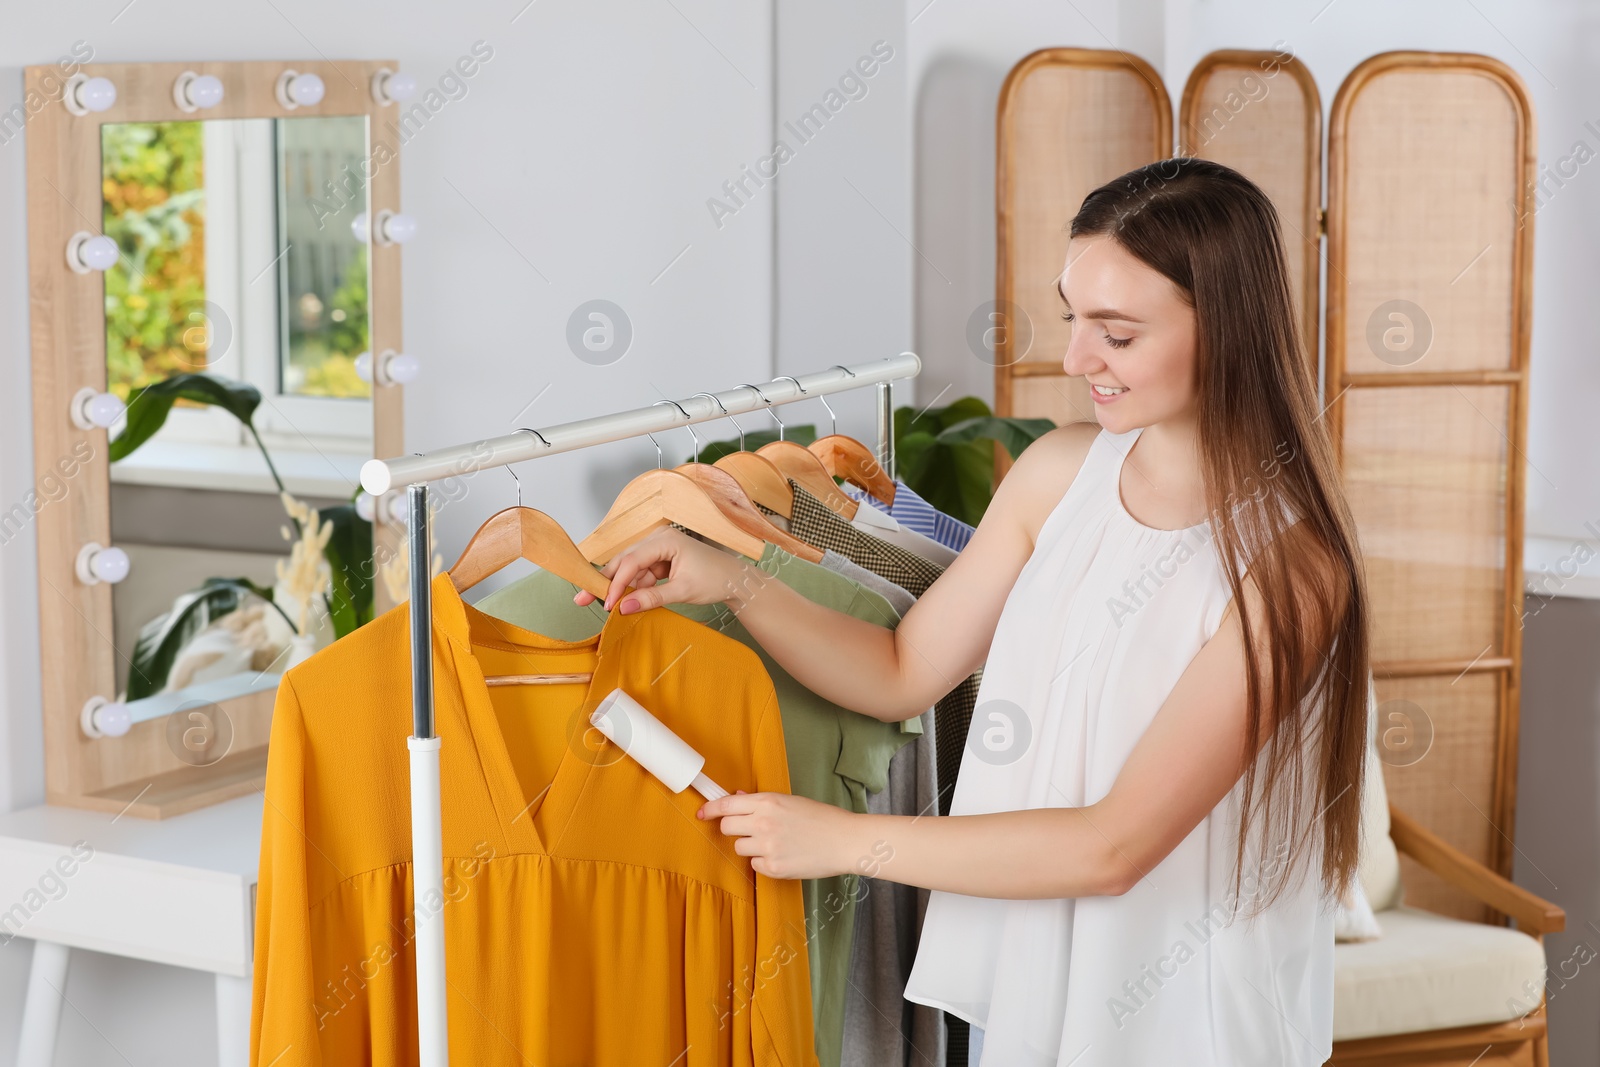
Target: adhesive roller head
pixel 646 739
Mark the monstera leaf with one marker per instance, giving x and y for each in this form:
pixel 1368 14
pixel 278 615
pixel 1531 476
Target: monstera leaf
pixel 149 405
pixel 946 455
pixel 162 638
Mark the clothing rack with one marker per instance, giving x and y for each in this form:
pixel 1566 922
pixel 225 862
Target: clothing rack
pixel 378 476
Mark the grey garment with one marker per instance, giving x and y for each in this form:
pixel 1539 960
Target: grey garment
pixel 881 1027
pixel 975 1047
pixel 897 597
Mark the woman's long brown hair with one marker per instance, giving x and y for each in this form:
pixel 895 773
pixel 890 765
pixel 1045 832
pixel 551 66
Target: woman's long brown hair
pixel 1216 236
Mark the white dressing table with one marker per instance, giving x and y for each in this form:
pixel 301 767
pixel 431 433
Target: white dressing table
pixel 178 891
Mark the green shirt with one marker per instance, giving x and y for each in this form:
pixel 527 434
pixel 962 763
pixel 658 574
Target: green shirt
pixel 835 755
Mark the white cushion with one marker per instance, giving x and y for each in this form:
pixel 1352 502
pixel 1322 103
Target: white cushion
pixel 1379 864
pixel 1429 973
pixel 1354 920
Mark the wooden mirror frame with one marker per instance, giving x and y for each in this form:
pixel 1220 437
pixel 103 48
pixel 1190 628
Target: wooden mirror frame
pixel 140 772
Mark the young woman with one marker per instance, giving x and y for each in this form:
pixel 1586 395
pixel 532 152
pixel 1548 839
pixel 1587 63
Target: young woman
pixel 1159 798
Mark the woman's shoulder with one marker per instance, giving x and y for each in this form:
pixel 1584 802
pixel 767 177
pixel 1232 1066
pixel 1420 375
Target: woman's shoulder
pixel 1046 469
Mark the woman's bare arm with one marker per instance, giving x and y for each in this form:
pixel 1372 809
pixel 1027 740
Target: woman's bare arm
pixel 1188 759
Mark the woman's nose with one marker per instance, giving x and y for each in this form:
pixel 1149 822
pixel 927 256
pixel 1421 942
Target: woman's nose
pixel 1080 358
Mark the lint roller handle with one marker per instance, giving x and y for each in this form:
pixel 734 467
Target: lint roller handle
pixel 647 740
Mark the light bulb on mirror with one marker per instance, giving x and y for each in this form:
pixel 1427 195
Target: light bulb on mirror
pixel 296 89
pixel 96 564
pixel 91 410
pixel 394 228
pixel 105 718
pixel 390 368
pixel 393 87
pixel 399 368
pixel 360 228
pixel 87 251
pixel 192 92
pixel 84 94
pixel 366 507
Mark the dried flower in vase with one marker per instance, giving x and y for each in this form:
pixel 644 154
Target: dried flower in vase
pixel 305 574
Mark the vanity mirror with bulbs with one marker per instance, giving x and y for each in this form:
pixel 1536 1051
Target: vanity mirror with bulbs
pixel 214 256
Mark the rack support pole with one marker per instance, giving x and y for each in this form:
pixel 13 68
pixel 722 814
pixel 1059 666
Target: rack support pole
pixel 886 428
pixel 427 846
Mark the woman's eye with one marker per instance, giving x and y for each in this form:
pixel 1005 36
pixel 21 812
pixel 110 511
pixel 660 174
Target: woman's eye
pixel 1067 315
pixel 1118 342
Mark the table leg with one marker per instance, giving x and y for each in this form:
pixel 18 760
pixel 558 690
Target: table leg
pixel 233 1021
pixel 41 1012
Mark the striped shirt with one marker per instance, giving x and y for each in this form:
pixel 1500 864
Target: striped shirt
pixel 915 513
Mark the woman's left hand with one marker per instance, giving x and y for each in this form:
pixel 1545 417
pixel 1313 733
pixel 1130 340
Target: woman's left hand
pixel 785 836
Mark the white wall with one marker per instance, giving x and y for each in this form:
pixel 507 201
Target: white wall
pixel 576 167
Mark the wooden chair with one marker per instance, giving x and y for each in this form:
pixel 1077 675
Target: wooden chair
pixel 1435 989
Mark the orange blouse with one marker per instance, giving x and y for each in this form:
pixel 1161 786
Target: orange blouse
pixel 590 918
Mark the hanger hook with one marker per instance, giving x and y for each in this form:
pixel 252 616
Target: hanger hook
pixel 689 425
pixel 725 415
pixel 517 480
pixel 767 402
pixel 833 419
pixel 797 385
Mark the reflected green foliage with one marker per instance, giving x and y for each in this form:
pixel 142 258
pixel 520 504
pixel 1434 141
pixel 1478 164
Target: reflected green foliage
pixel 162 638
pixel 153 194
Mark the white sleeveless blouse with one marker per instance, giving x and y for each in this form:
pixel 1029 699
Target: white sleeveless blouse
pixel 1103 619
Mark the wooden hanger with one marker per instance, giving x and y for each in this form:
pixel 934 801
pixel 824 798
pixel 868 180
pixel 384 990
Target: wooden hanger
pixel 805 469
pixel 523 533
pixel 735 503
pixel 808 472
pixel 845 457
pixel 761 480
pixel 658 498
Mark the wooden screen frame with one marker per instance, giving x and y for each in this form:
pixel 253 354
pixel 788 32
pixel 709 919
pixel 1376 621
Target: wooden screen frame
pixel 1508 667
pixel 139 773
pixel 1006 370
pixel 1312 224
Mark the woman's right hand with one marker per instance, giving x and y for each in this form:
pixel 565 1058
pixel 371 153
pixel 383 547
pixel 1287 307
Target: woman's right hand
pixel 670 567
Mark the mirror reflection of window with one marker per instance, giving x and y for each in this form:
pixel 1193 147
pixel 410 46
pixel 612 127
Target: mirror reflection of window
pixel 323 274
pixel 153 188
pixel 238 261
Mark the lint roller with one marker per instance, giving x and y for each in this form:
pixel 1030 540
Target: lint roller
pixel 660 751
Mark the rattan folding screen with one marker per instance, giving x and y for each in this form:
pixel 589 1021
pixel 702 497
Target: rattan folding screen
pixel 1429 250
pixel 1260 113
pixel 1069 119
pixel 1429 238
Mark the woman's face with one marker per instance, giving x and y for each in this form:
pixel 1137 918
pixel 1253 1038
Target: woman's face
pixel 1133 336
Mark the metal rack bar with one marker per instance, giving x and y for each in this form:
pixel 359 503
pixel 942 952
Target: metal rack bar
pixel 378 476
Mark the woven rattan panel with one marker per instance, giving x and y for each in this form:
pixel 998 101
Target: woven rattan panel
pixel 1070 119
pixel 1260 113
pixel 1425 474
pixel 1429 249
